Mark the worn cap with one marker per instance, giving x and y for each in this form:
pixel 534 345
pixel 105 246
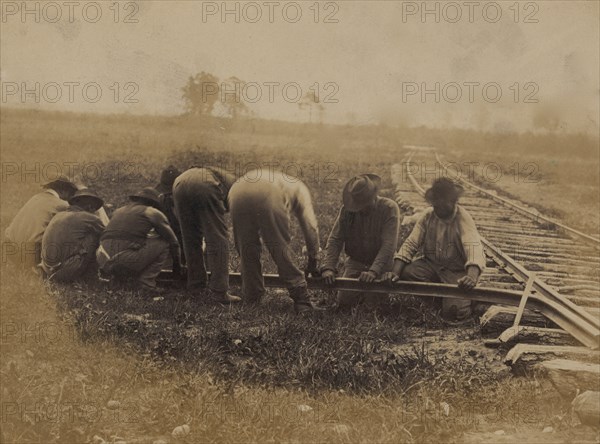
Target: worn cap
pixel 360 191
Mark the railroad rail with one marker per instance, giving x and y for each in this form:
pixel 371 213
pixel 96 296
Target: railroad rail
pixel 552 311
pixel 543 253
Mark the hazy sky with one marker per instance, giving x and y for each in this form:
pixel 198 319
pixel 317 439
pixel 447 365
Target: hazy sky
pixel 378 57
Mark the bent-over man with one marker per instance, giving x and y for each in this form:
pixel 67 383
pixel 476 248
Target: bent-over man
pixel 70 241
pixel 367 230
pixel 165 189
pixel 24 234
pixel 200 197
pixel 138 240
pixel 261 202
pixel 444 246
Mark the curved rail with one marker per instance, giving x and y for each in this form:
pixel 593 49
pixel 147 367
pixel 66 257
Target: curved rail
pixel 577 321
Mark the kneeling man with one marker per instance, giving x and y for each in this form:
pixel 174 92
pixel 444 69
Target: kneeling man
pixel 367 230
pixel 138 240
pixel 70 241
pixel 443 247
pixel 24 234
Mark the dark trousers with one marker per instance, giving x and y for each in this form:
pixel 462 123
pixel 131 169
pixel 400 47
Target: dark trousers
pixel 142 260
pixel 76 265
pixel 423 270
pixel 201 212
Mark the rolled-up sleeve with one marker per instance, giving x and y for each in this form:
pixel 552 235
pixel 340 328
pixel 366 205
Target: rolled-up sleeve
pixel 305 214
pixel 335 244
pixel 415 240
pixel 389 240
pixel 471 241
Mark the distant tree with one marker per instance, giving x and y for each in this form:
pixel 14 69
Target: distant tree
pixel 232 97
pixel 200 94
pixel 321 110
pixel 309 101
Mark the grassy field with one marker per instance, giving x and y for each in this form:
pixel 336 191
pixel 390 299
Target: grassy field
pixel 86 362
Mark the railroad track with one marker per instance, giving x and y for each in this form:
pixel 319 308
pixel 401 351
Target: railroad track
pixel 520 244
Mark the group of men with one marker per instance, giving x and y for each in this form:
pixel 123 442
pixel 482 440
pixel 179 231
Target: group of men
pixel 66 231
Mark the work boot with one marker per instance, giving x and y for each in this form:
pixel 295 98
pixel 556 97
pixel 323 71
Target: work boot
pixel 301 300
pixel 223 297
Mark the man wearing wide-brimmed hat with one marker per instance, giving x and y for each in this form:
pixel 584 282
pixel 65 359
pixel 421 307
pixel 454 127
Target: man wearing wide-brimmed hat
pixel 367 230
pixel 444 246
pixel 23 237
pixel 70 241
pixel 138 240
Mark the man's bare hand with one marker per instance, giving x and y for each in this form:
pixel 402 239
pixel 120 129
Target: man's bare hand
pixel 367 276
pixel 467 283
pixel 390 276
pixel 328 276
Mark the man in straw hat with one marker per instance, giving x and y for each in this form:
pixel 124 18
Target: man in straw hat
pixel 200 197
pixel 70 241
pixel 444 246
pixel 367 230
pixel 261 203
pixel 138 240
pixel 24 234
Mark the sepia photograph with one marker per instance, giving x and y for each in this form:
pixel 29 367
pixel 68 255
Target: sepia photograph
pixel 352 221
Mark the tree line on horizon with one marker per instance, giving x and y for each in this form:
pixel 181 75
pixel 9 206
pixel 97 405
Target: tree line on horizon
pixel 202 97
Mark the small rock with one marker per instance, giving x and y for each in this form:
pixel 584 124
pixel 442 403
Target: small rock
pixel 237 341
pixel 304 408
pixel 548 429
pixel 499 432
pixel 158 298
pixel 112 404
pixel 181 431
pixel 341 429
pixel 445 408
